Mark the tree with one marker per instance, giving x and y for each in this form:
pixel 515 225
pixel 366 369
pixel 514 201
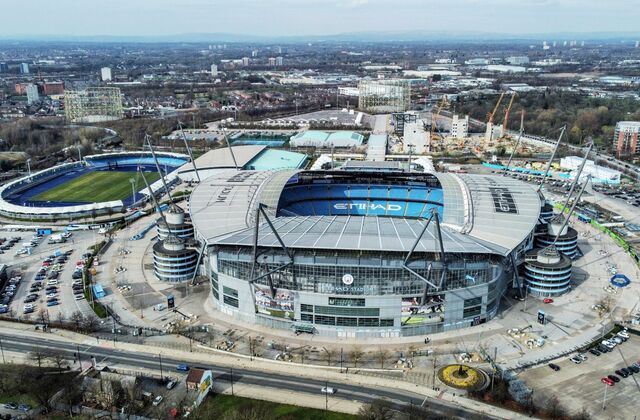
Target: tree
pixel 90 323
pixel 57 357
pixel 581 415
pixel 37 355
pixel 329 354
pixel 553 408
pixel 355 355
pixel 382 356
pixel 77 319
pixel 377 409
pixel 60 317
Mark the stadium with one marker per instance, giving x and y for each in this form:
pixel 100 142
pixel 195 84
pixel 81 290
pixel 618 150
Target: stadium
pixel 360 254
pixel 98 185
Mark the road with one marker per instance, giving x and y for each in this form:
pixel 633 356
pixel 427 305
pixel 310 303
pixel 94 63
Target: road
pixel 14 342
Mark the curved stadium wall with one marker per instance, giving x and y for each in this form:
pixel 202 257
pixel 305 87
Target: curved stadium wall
pixel 343 272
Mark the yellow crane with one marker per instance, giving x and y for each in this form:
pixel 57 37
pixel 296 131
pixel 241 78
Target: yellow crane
pixel 434 118
pixel 505 122
pixel 492 113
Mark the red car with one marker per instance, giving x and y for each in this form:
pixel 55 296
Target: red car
pixel 548 300
pixel 607 381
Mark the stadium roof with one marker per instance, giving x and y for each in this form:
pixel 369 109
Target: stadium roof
pixel 482 213
pixel 366 233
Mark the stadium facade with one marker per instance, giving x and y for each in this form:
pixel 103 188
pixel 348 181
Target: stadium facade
pixel 362 254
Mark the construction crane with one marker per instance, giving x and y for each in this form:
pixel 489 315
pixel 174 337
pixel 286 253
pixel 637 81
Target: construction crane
pixel 505 122
pixel 492 113
pixel 434 118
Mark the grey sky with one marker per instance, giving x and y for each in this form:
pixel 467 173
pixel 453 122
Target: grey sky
pixel 312 17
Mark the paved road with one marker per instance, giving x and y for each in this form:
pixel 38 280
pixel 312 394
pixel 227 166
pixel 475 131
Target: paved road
pixel 400 399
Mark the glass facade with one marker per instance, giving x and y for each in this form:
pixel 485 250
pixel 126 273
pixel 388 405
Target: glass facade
pixel 372 273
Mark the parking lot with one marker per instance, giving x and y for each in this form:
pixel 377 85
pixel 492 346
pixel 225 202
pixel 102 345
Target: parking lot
pixel 46 282
pixel 580 385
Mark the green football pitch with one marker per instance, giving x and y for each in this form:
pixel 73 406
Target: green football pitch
pixel 95 187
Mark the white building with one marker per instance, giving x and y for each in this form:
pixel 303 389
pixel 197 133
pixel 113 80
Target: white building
pixel 245 61
pixel 32 94
pixel 477 62
pixel 105 73
pixel 349 91
pixel 272 61
pixel 279 61
pixel 599 174
pixel 415 136
pixel 214 70
pixel 518 60
pixel 460 127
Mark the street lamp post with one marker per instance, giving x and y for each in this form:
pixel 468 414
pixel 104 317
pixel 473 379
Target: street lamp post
pixel 133 190
pixel 604 400
pixel 2 350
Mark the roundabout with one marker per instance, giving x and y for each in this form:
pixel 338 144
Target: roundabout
pixel 463 377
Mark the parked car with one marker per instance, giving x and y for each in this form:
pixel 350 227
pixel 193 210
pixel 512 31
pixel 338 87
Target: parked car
pixel 171 384
pixel 634 368
pixel 11 406
pixel 24 407
pixel 614 378
pixel 182 367
pixel 581 356
pixel 575 360
pixel 157 400
pixel 548 300
pixel 621 373
pixel 554 366
pixel 595 352
pixel 607 381
pixel 328 390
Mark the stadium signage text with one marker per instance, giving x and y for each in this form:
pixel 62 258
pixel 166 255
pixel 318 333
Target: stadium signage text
pixel 367 206
pixel 503 200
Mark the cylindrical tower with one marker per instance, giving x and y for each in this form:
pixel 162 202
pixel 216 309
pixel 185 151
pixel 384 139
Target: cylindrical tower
pixel 173 261
pixel 177 224
pixel 547 272
pixel 567 242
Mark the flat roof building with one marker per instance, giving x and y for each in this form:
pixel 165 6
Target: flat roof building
pixel 323 139
pixel 625 138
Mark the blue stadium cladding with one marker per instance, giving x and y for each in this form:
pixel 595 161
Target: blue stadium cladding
pixel 357 199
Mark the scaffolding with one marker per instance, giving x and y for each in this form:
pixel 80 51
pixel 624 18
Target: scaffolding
pixel 93 105
pixel 382 96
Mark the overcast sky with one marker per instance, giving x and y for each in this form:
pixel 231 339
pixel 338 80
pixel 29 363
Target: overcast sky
pixel 312 17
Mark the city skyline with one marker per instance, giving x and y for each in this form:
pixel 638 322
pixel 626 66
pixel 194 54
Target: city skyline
pixel 162 18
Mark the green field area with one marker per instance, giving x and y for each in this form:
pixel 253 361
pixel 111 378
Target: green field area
pixel 94 187
pixel 218 406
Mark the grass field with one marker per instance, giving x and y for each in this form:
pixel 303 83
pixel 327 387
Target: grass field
pixel 227 406
pixel 95 187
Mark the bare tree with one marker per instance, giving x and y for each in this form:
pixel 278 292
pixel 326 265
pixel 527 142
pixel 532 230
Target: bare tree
pixel 382 356
pixel 329 354
pixel 60 317
pixel 77 319
pixel 355 355
pixel 377 409
pixel 37 355
pixel 43 316
pixel 581 415
pixel 57 357
pixel 553 408
pixel 90 323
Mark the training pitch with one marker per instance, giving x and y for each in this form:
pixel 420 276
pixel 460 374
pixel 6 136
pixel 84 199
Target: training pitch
pixel 98 186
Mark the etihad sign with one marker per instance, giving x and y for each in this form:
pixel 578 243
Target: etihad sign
pixel 367 206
